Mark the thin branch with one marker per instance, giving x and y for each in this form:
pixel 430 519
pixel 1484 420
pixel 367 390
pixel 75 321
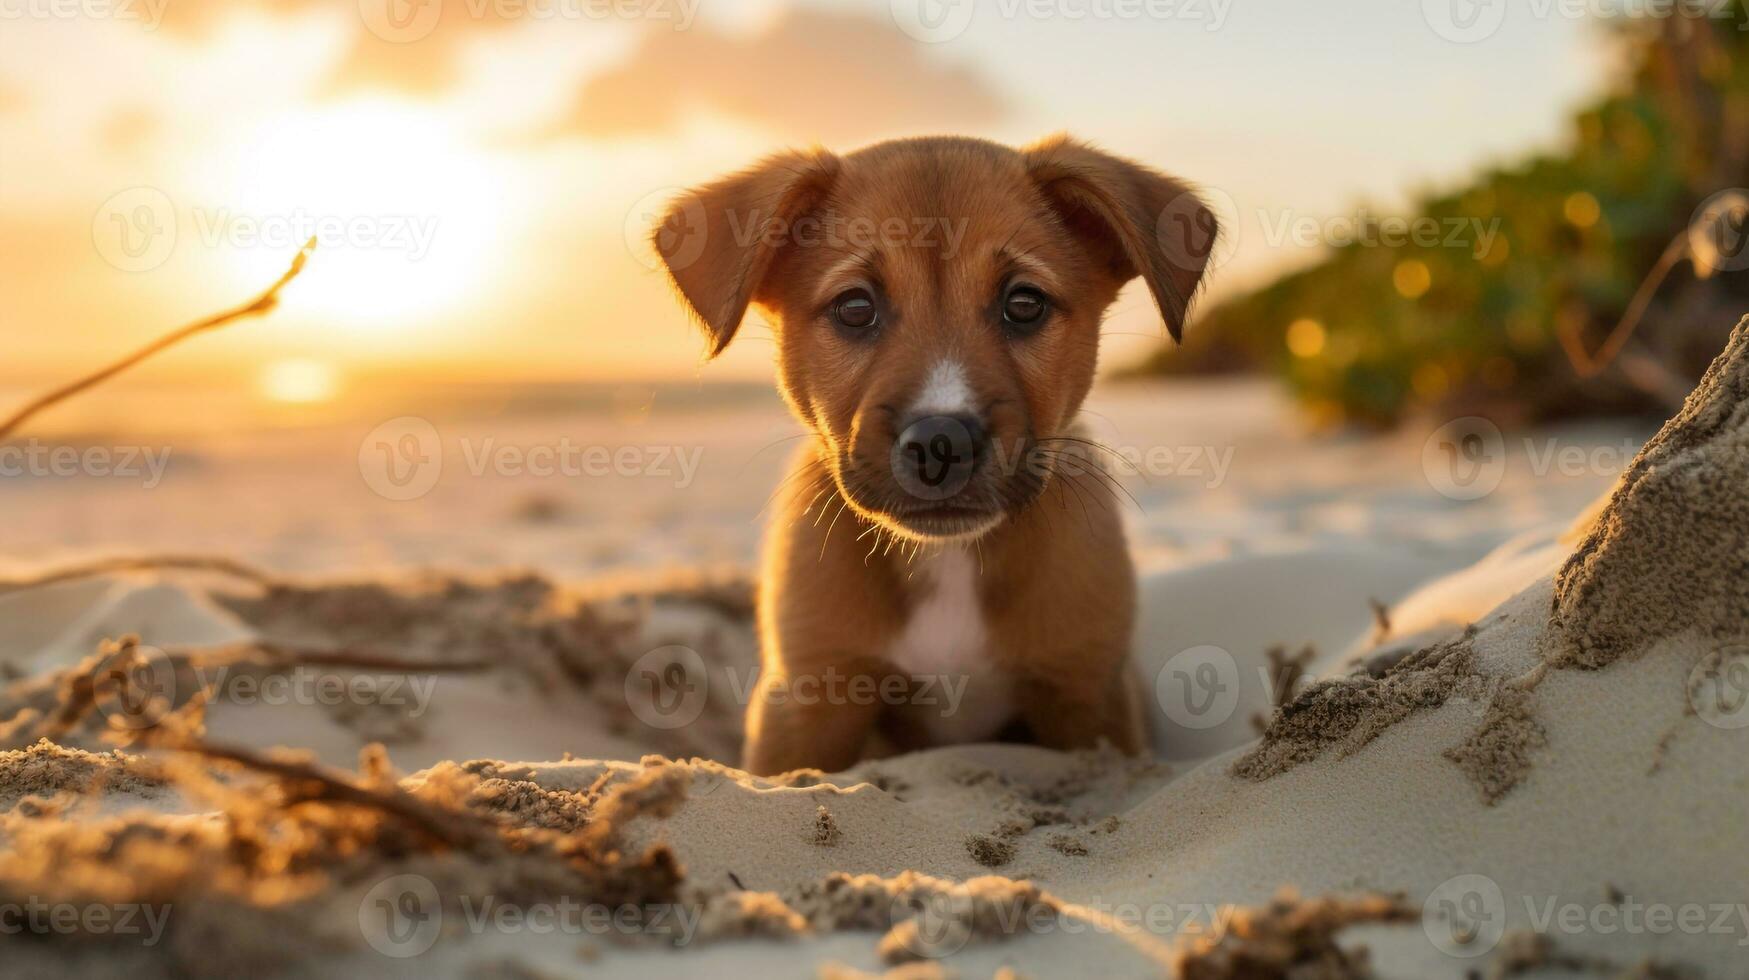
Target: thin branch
pixel 194 563
pixel 261 304
pixel 1591 365
pixel 345 659
pixel 459 829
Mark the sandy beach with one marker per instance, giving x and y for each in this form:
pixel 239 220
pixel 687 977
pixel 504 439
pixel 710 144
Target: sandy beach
pixel 503 743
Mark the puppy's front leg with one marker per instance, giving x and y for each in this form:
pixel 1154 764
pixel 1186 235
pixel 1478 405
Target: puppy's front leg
pixel 823 614
pixel 807 720
pixel 1066 712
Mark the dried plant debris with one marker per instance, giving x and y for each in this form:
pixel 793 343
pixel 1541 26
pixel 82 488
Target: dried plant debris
pixel 551 639
pixel 1290 939
pixel 128 687
pixel 529 631
pixel 1670 554
pixel 287 839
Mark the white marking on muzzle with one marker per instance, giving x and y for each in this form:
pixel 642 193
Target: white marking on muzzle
pixel 945 392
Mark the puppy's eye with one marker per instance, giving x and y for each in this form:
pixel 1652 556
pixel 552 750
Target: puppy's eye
pixel 1024 307
pixel 854 311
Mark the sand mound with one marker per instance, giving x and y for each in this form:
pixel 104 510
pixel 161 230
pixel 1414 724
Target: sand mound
pixel 1343 715
pixel 1671 553
pixel 1667 557
pixel 46 770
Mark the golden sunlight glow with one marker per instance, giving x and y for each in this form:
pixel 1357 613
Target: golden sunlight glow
pixel 299 381
pixel 1581 210
pixel 1430 382
pixel 1412 278
pixel 1305 337
pixel 407 216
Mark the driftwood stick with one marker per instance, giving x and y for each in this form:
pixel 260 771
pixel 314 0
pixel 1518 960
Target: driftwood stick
pixel 261 304
pixel 309 783
pixel 106 566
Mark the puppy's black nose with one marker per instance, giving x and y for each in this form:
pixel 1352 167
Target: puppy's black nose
pixel 935 457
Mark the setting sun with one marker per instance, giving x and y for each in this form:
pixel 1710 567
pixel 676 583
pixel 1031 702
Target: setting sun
pixel 406 213
pixel 298 381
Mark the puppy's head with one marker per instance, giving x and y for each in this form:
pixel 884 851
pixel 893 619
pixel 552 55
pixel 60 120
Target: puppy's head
pixel 936 304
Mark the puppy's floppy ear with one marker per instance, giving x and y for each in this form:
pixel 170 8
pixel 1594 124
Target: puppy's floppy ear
pixel 1139 222
pixel 717 241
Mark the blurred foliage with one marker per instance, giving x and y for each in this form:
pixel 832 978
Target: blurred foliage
pixel 1371 332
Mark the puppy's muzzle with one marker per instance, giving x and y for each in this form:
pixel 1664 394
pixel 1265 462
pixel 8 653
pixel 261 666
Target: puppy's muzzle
pixel 936 456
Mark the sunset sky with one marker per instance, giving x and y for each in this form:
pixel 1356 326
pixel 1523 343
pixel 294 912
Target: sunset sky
pixel 485 178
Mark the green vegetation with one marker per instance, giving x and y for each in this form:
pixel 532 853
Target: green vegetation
pixel 1374 332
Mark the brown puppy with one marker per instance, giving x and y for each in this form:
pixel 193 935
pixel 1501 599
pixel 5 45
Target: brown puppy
pixel 937 304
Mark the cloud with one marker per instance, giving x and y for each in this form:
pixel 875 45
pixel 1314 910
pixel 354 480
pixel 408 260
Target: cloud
pixel 198 18
pixel 416 46
pixel 412 46
pixel 813 75
pixel 129 129
pixel 12 99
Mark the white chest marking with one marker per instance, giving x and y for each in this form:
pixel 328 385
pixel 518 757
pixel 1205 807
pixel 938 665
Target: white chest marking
pixel 944 640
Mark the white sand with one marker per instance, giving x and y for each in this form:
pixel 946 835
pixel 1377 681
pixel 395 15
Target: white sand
pixel 1621 796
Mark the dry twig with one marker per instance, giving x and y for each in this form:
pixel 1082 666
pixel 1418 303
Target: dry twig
pixel 106 566
pixel 261 304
